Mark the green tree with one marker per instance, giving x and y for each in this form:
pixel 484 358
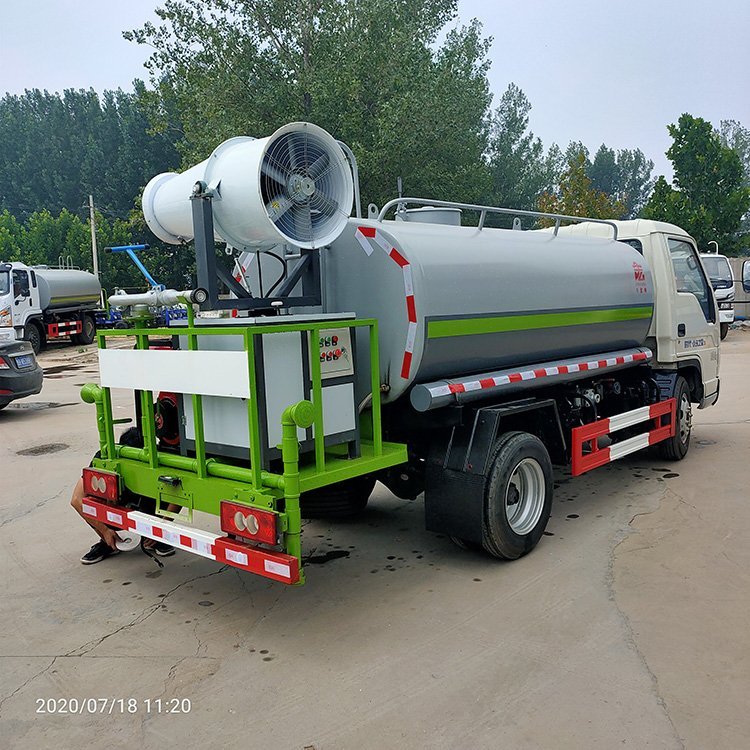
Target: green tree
pixel 576 196
pixel 708 196
pixel 55 150
pixel 408 98
pixel 520 169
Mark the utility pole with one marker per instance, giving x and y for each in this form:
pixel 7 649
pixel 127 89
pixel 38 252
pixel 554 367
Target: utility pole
pixel 92 222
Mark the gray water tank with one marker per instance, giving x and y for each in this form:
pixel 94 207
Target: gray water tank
pixel 59 288
pixel 431 215
pixel 453 300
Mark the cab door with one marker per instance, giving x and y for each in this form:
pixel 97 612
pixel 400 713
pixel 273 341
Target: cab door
pixel 695 315
pixel 22 299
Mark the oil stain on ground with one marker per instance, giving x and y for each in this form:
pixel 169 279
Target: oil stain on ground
pixel 333 554
pixel 43 450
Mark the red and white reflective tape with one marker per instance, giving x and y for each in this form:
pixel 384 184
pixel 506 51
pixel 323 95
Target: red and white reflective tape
pixel 64 328
pixel 276 565
pixel 363 235
pixel 446 389
pixel 585 450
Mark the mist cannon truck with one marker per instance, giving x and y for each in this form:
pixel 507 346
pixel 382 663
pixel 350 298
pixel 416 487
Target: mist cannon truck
pixel 411 347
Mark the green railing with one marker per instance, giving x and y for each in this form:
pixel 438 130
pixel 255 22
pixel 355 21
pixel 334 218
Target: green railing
pixel 207 480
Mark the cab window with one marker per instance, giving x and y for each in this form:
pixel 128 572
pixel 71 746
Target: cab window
pixel 689 276
pixel 20 284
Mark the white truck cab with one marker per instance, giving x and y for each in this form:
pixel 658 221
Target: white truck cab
pixel 685 331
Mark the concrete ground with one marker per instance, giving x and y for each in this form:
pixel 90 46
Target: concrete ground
pixel 627 626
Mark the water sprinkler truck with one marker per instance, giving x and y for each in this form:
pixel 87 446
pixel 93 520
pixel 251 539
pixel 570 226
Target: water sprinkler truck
pixel 417 346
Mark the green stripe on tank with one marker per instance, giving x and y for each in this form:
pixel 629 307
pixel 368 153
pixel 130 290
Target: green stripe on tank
pixel 439 329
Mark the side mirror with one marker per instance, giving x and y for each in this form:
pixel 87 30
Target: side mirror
pixel 746 275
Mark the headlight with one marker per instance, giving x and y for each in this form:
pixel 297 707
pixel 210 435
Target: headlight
pixel 5 319
pixel 725 305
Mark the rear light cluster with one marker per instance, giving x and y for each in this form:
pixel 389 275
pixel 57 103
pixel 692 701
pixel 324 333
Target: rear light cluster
pixel 102 484
pixel 4 364
pixel 249 523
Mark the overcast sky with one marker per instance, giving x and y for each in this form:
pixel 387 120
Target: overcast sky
pixel 594 71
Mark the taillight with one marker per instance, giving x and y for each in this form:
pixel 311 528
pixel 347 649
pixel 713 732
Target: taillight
pixel 4 364
pixel 102 484
pixel 249 523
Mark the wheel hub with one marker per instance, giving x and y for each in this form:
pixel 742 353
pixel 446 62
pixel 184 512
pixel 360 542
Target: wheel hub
pixel 525 495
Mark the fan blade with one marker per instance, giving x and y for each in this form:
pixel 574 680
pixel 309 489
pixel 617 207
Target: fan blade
pixel 318 166
pixel 302 217
pixel 278 206
pixel 321 202
pixel 274 172
pixel 292 154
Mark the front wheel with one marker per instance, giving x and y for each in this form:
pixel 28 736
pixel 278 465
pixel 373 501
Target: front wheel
pixel 33 334
pixel 518 497
pixel 723 330
pixel 676 448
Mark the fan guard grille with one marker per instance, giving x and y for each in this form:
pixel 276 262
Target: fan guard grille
pixel 304 186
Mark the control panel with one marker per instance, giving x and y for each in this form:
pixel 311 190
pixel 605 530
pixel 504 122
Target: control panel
pixel 335 352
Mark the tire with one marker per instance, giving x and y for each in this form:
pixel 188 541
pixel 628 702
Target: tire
pixel 518 496
pixel 676 448
pixel 33 334
pixel 342 500
pixel 723 330
pixel 465 544
pixel 87 334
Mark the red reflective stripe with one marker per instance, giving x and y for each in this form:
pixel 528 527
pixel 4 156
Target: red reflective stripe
pixel 541 373
pixel 487 383
pixel 406 365
pixel 411 309
pixel 368 231
pixel 456 387
pixel 396 255
pixel 583 366
pixel 603 362
pixel 157 532
pixel 563 369
pixel 186 540
pixel 515 377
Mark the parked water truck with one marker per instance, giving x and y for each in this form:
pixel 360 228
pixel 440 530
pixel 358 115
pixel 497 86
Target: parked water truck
pixel 40 304
pixel 411 347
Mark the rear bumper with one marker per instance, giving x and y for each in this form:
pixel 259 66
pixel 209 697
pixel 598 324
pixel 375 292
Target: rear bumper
pixel 268 563
pixel 15 383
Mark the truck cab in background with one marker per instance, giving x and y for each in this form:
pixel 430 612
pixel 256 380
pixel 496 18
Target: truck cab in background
pixel 39 304
pixel 722 280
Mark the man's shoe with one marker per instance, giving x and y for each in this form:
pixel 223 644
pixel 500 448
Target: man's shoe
pixel 151 547
pixel 98 552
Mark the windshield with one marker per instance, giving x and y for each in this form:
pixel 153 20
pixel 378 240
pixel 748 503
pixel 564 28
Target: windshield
pixel 4 283
pixel 718 270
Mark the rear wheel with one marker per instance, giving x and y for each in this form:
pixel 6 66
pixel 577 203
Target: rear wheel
pixel 723 330
pixel 676 448
pixel 88 332
pixel 33 334
pixel 341 500
pixel 518 498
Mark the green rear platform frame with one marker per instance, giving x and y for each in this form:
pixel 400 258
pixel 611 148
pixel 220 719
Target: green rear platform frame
pixel 201 482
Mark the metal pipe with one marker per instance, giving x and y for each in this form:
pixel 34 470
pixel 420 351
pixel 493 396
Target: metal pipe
pixel 161 298
pixel 467 388
pixel 301 415
pixel 493 209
